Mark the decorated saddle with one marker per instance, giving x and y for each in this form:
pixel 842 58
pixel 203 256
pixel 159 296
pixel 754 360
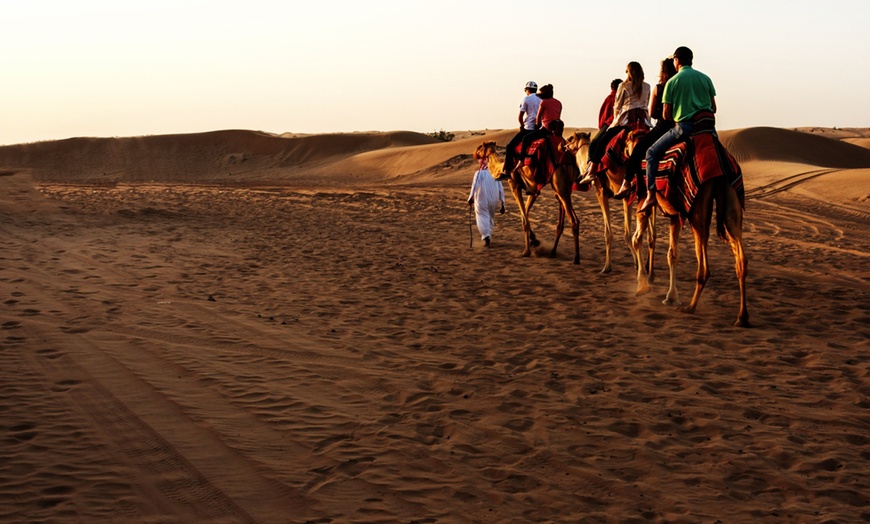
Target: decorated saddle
pixel 614 153
pixel 542 158
pixel 687 165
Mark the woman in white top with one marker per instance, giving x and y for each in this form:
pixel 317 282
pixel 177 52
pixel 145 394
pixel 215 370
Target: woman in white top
pixel 631 105
pixel 630 109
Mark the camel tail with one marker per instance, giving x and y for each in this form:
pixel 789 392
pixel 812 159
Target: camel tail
pixel 719 199
pixel 720 195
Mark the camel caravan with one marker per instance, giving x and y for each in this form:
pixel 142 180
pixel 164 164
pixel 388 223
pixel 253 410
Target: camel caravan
pixel 689 175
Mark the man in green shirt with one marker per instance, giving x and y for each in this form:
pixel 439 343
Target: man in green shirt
pixel 686 94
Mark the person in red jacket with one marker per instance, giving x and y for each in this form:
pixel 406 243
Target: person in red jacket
pixel 605 114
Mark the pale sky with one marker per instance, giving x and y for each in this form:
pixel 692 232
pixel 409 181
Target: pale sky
pixel 129 68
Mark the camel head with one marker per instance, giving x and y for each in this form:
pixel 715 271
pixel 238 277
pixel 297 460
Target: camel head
pixel 578 140
pixel 485 150
pixel 578 144
pixel 633 139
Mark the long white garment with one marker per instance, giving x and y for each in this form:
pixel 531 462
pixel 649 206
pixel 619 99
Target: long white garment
pixel 488 195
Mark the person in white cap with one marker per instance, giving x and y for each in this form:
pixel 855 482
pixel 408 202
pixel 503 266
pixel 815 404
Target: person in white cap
pixel 528 114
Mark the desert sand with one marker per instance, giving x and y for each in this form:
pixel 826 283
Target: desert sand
pixel 245 327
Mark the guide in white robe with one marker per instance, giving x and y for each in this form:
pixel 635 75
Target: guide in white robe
pixel 487 195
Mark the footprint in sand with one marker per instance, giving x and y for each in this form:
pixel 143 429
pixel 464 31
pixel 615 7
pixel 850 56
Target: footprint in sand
pixel 49 353
pixel 63 386
pixel 74 330
pixel 14 341
pixel 23 432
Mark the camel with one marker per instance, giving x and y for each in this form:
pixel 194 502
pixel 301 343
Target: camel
pixel 522 178
pixel 606 184
pixel 729 219
pixel 486 152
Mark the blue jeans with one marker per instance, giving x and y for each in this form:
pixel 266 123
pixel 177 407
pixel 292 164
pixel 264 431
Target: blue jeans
pixel 656 151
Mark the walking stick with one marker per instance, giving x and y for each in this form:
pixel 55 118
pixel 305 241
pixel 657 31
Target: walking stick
pixel 470 230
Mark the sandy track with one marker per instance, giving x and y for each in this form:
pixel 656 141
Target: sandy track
pixel 184 353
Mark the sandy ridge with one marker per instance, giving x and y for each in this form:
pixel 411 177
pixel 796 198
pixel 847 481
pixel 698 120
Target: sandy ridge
pixel 235 157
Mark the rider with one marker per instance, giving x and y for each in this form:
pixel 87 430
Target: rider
pixel 632 165
pixel 686 94
pixel 528 113
pixel 550 110
pixel 630 109
pixel 549 118
pixel 605 113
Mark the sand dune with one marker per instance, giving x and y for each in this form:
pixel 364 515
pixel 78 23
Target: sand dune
pixel 773 144
pixel 220 156
pixel 237 157
pixel 242 327
pixel 245 157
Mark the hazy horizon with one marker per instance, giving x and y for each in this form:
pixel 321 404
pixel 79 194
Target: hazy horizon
pixel 100 68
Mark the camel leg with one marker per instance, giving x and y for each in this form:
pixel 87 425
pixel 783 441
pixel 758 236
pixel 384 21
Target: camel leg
pixel 516 190
pixel 560 227
pixel 626 227
pixel 734 231
pixel 702 235
pixel 562 188
pixel 575 229
pixel 530 201
pixel 604 203
pixel 700 218
pixel 673 298
pixel 525 180
pixel 651 247
pixel 740 265
pixel 641 224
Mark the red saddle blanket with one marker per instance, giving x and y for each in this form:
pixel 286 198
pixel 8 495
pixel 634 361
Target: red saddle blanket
pixel 614 153
pixel 687 165
pixel 542 158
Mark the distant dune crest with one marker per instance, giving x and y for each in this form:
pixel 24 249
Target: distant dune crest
pixel 251 157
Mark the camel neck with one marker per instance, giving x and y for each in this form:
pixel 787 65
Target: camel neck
pixel 494 164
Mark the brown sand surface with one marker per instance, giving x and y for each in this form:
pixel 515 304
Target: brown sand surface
pixel 863 142
pixel 313 340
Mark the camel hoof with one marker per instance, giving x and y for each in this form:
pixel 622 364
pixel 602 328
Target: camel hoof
pixel 642 289
pixel 689 310
pixel 526 254
pixel 576 261
pixel 675 302
pixel 606 270
pixel 742 322
pixel 536 243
